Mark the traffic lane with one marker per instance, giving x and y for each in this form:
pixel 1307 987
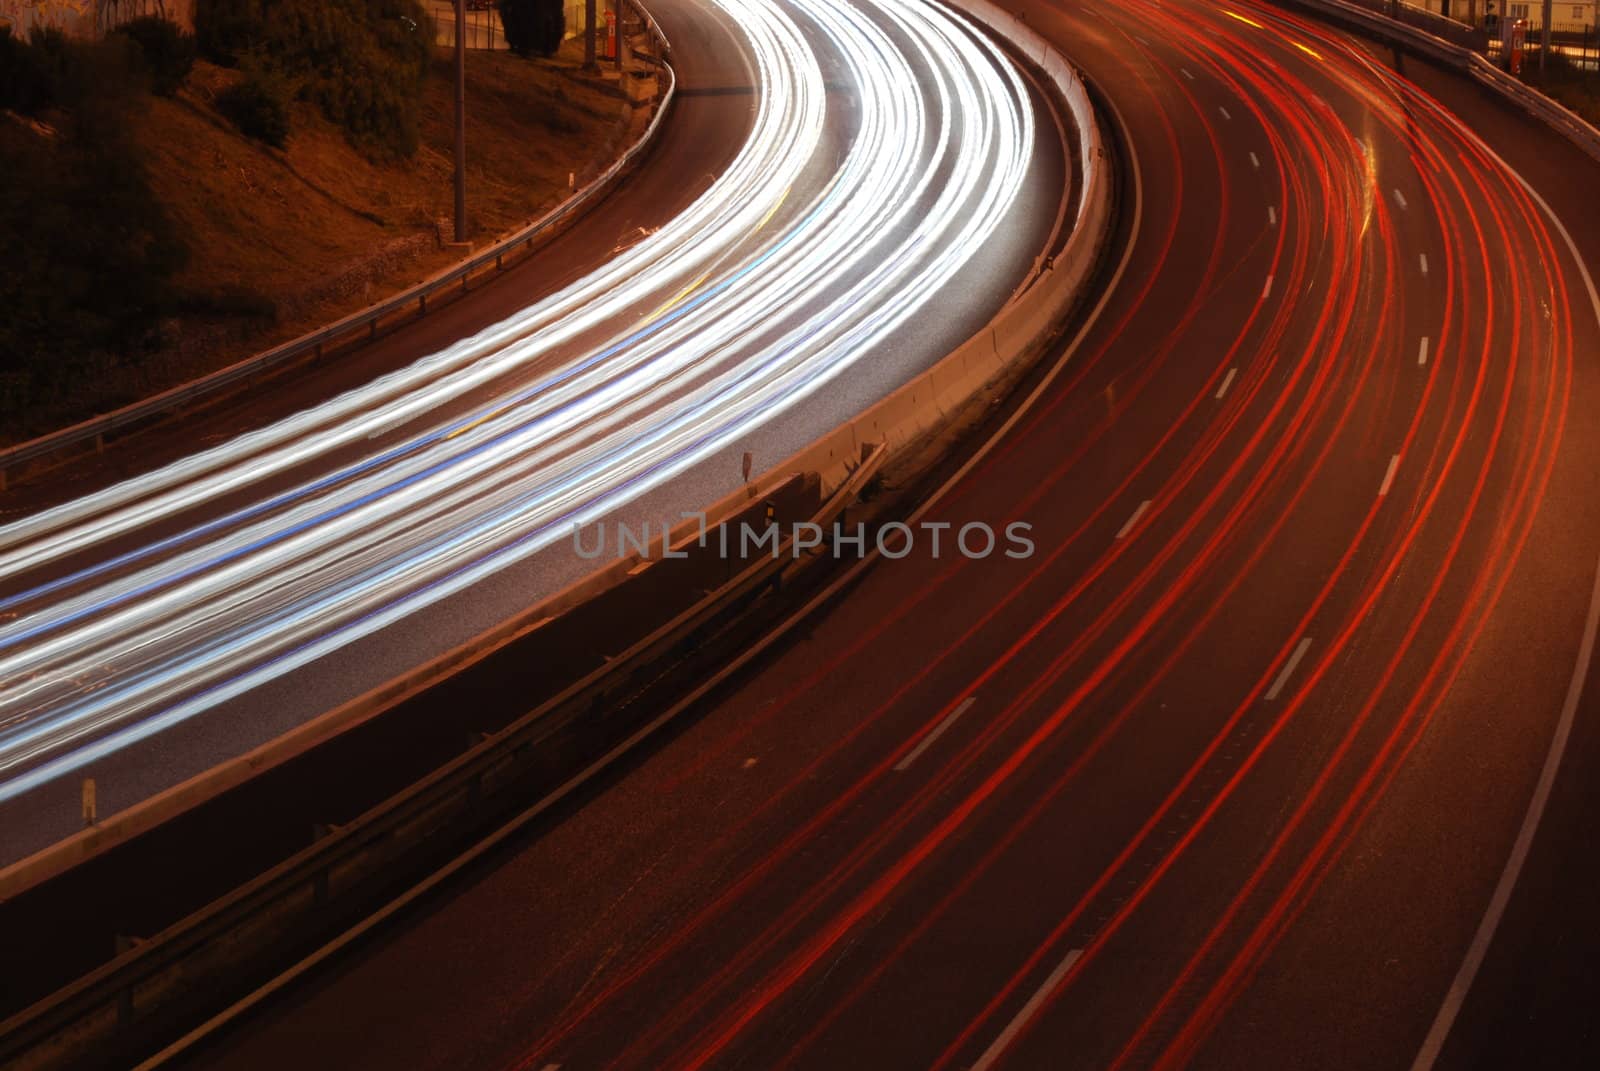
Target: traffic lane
pixel 1531 1002
pixel 1537 625
pixel 1247 841
pixel 819 722
pixel 695 143
pixel 155 763
pixel 1357 943
pixel 704 132
pixel 858 953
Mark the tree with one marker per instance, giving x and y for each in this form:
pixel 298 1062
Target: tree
pixel 533 27
pixel 361 62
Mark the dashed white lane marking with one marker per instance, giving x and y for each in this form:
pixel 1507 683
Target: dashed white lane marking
pixel 934 733
pixel 1255 161
pixel 1227 381
pixel 1399 198
pixel 1224 112
pixel 1128 527
pixel 1288 668
pixel 1422 351
pixel 1185 72
pixel 1013 1028
pixel 1265 290
pixel 1143 41
pixel 1424 258
pixel 1388 477
pixel 1272 215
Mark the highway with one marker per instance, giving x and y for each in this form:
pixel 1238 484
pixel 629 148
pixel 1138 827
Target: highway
pixel 1225 775
pixel 152 627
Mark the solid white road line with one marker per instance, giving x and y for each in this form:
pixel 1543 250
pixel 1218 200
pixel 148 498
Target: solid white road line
pixel 1399 198
pixel 1227 381
pixel 1424 258
pixel 1288 668
pixel 1388 477
pixel 1128 527
pixel 1272 215
pixel 1224 112
pixel 1255 161
pixel 1265 290
pixel 1428 1054
pixel 1422 351
pixel 934 733
pixel 1013 1028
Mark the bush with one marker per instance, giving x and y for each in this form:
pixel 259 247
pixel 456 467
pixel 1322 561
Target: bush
pixel 259 107
pixel 361 62
pixel 533 27
pixel 168 52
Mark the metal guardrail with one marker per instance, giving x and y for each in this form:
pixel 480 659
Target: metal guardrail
pixel 92 433
pixel 1559 118
pixel 652 28
pixel 1452 30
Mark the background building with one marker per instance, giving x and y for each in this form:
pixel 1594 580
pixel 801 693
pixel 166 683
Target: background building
pixel 1566 16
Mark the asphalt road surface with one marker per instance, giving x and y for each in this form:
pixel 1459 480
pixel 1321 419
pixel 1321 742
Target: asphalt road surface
pixel 1226 773
pixel 783 258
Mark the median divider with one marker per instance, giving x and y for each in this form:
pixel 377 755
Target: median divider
pixel 92 435
pixel 135 996
pixel 1471 62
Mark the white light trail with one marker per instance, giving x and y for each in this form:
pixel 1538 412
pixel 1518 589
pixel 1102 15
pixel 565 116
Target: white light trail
pixel 797 261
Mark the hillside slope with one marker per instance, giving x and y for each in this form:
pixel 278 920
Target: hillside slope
pixel 282 241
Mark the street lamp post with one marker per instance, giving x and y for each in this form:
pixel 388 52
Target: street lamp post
pixel 461 121
pixel 1544 35
pixel 591 15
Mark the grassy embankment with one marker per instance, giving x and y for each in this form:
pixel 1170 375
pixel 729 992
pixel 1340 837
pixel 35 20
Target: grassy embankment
pixel 282 241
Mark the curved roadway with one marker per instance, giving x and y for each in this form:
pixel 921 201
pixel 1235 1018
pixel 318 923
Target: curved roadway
pixel 1225 774
pixel 157 626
